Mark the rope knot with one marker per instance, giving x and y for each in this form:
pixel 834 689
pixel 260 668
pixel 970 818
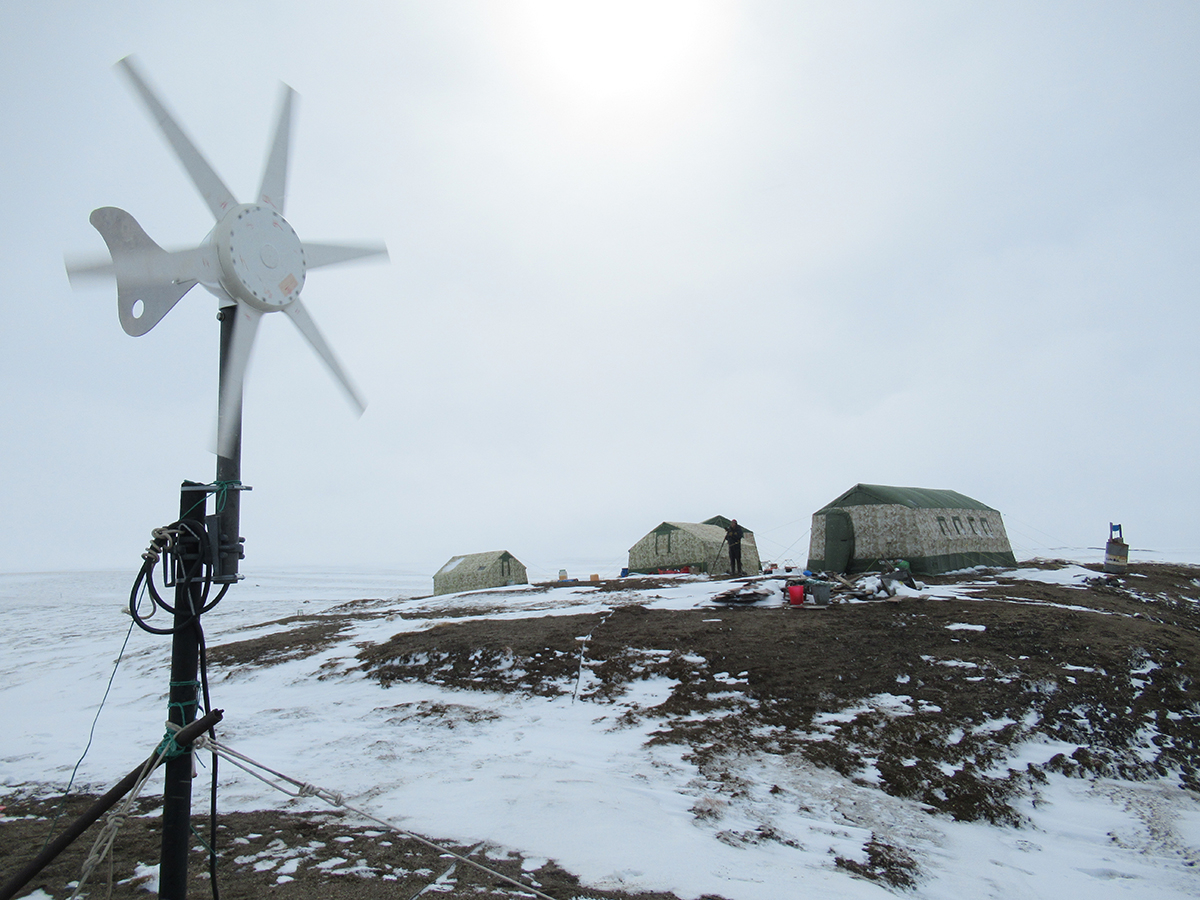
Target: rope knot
pixel 169 748
pixel 94 858
pixel 160 539
pixel 333 797
pixel 312 790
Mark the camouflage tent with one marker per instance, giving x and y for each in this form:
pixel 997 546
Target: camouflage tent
pixel 934 530
pixel 700 546
pixel 476 571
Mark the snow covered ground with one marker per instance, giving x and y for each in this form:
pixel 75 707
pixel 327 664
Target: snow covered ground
pixel 560 778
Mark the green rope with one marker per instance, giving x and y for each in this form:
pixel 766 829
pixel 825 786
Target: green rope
pixel 169 748
pixel 185 712
pixel 211 852
pixel 222 489
pixel 203 499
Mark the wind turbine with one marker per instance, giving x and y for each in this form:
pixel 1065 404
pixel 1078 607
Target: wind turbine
pixel 252 260
pixel 255 264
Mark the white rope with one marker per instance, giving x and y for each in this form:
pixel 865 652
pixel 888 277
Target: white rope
pixel 102 847
pixel 333 798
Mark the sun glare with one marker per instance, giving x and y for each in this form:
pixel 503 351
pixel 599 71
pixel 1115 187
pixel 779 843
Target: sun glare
pixel 620 53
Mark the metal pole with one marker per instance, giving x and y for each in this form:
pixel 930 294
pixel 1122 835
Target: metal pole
pixel 718 556
pixel 226 551
pixel 181 708
pixel 229 473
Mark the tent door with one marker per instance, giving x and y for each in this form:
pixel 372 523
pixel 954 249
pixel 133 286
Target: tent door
pixel 839 540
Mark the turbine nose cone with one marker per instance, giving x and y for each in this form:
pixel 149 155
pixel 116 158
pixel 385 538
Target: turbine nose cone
pixel 262 259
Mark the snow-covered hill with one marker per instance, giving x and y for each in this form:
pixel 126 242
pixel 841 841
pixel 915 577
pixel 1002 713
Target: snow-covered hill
pixel 1027 733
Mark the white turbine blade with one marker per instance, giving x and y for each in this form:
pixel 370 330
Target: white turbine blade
pixel 218 197
pixel 233 376
pixel 81 269
pixel 178 266
pixel 175 267
pixel 318 255
pixel 274 181
pixel 308 328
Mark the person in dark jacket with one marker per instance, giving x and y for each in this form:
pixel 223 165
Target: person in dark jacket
pixel 733 537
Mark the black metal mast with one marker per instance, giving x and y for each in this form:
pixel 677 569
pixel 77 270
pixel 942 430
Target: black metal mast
pixel 225 550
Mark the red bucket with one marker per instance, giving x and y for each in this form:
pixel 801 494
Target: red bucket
pixel 795 594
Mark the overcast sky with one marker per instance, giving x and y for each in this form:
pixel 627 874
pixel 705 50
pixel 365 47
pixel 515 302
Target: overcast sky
pixel 648 261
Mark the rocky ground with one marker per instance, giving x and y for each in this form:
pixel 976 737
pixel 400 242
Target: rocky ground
pixel 924 699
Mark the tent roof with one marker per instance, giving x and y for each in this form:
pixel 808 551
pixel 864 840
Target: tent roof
pixel 473 561
pixel 914 498
pixel 700 529
pixel 710 533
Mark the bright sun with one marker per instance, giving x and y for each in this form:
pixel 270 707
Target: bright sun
pixel 620 53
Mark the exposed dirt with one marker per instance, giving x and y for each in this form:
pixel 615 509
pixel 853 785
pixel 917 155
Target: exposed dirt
pixel 1112 667
pixel 1095 667
pixel 297 637
pixel 326 854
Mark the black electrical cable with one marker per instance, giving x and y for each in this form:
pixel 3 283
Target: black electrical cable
pixel 201 538
pixel 166 547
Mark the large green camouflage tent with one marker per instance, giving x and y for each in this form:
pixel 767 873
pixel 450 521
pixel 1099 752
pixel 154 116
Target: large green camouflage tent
pixel 934 530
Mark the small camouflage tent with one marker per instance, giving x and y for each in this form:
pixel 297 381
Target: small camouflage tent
pixel 935 531
pixel 476 571
pixel 682 545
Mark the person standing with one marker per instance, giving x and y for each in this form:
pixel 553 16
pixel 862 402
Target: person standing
pixel 733 537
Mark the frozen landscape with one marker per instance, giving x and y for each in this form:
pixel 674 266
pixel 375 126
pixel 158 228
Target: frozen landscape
pixel 933 244
pixel 659 762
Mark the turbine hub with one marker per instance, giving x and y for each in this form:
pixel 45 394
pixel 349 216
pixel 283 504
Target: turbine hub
pixel 262 259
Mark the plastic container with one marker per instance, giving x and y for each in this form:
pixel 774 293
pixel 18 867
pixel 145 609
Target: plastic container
pixel 819 591
pixel 1116 551
pixel 795 594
